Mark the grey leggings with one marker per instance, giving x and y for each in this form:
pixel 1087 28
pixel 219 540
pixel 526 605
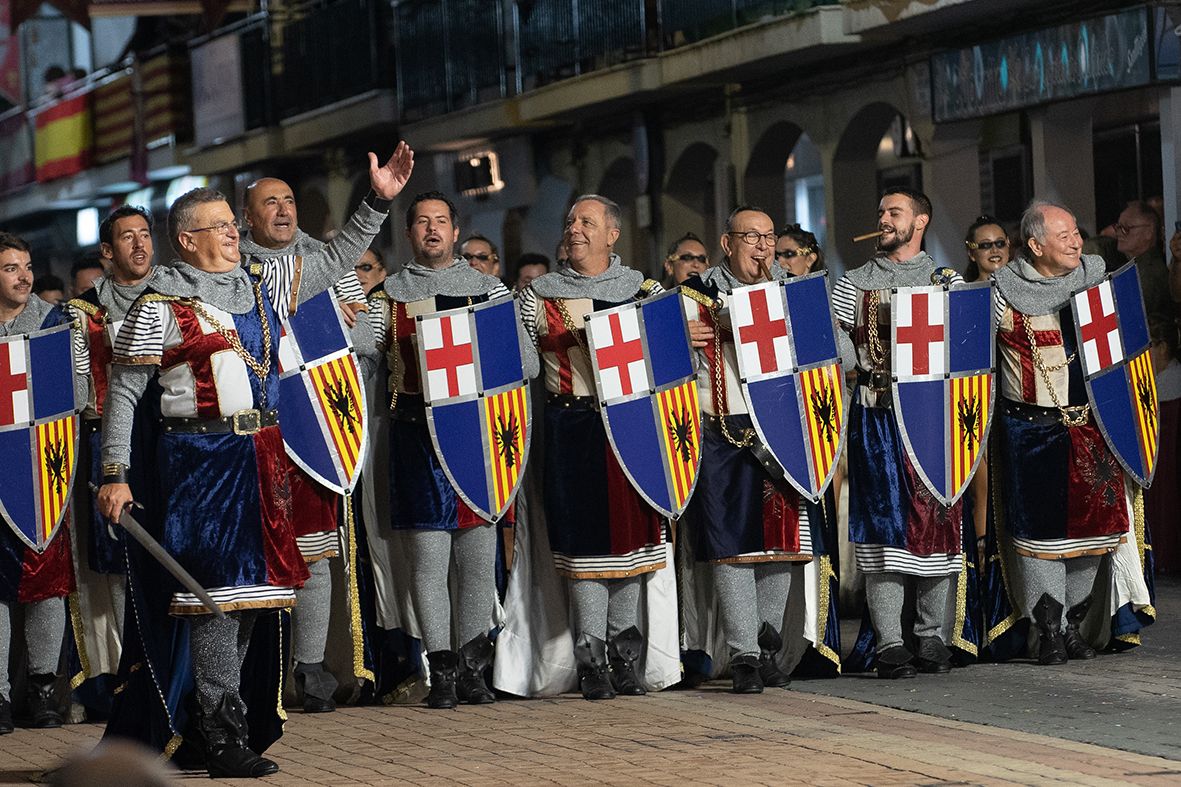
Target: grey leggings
pixel 474 549
pixel 45 625
pixel 885 593
pixel 750 594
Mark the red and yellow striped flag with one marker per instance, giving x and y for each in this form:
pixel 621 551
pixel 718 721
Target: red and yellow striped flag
pixel 338 392
pixel 969 416
pixel 1147 409
pixel 680 426
pixel 823 410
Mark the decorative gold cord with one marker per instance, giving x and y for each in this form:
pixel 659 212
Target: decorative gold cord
pixel 748 435
pixel 261 370
pixel 395 354
pixel 1044 370
pixel 568 321
pixel 355 626
pixel 877 354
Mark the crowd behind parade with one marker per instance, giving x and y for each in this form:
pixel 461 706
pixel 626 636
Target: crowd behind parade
pixel 582 586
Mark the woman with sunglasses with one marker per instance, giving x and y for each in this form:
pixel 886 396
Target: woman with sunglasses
pixel 797 251
pixel 988 248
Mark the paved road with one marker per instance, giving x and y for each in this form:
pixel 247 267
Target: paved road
pixel 1127 700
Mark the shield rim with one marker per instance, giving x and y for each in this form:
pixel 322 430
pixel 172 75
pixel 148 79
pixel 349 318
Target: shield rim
pixel 420 352
pixel 1143 482
pixel 30 430
pixel 796 372
pixel 325 432
pixel 939 495
pixel 650 394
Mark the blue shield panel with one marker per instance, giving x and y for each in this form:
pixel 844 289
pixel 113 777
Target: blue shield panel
pixel 647 387
pixel 322 399
pixel 38 432
pixel 942 345
pixel 1113 340
pixel 477 398
pixel 785 342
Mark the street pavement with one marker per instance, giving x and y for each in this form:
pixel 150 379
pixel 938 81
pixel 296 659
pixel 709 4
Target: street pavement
pixel 1108 721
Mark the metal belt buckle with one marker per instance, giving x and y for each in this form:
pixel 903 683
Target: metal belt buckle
pixel 246 422
pixel 879 381
pixel 1075 416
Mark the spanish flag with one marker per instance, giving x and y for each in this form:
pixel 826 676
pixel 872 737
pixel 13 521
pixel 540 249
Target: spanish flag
pixel 64 142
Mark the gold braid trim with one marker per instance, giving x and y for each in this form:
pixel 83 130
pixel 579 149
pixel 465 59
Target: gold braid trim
pixel 155 297
pixel 648 286
pixel 79 641
pixel 998 521
pixel 1141 531
pixel 359 669
pixel 700 297
pixel 824 567
pixel 961 609
pixel 85 306
pixel 282 674
pixel 296 276
pixel 170 748
pixel 393 354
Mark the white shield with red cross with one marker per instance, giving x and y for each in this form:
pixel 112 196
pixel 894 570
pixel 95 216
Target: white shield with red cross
pixel 790 370
pixel 477 401
pixel 1111 326
pixel 942 354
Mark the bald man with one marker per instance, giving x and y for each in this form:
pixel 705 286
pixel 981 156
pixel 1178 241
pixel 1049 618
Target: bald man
pixel 272 220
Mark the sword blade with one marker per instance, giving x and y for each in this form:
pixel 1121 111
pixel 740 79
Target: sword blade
pixel 153 547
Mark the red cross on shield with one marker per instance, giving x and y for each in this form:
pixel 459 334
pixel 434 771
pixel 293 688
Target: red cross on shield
pixel 14 384
pixel 619 353
pixel 1099 328
pixel 760 329
pixel 450 364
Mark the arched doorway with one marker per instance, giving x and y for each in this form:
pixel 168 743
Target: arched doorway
pixel 877 150
pixel 690 202
pixel 619 184
pixel 785 176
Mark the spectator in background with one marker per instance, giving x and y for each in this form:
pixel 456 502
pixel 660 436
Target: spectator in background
pixel 797 251
pixel 529 267
pixel 686 257
pixel 51 288
pixel 481 254
pixel 370 269
pixel 83 274
pixel 988 248
pixel 1139 237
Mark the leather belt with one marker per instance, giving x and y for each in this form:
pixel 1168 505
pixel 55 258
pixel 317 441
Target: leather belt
pixel 243 422
pixel 571 402
pixel 1076 415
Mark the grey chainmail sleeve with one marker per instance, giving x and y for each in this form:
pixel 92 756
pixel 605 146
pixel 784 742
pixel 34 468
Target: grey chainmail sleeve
pixel 124 389
pixel 365 343
pixel 324 268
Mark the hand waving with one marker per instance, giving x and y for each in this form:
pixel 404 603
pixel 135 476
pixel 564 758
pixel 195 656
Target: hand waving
pixel 389 180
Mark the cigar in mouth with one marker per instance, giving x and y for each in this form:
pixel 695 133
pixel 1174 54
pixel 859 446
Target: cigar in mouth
pixel 866 236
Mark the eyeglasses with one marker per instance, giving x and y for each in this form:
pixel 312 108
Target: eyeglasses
pixel 751 238
pixel 999 243
pixel 481 257
pixel 221 228
pixel 788 254
pixel 1124 229
pixel 701 258
pixel 364 267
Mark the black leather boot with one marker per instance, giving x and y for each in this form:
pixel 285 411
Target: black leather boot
pixel 6 725
pixel 474 658
pixel 1076 646
pixel 43 713
pixel 1047 616
pixel 594 674
pixel 770 643
pixel 623 652
pixel 896 662
pixel 444 670
pixel 317 686
pixel 227 755
pixel 933 656
pixel 744 674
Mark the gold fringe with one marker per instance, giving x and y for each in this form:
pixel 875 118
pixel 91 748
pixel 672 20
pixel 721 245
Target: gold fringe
pixel 139 360
pixel 282 675
pixel 359 669
pixel 1132 638
pixel 649 286
pixel 84 306
pixel 79 641
pixel 700 297
pixel 998 521
pixel 824 568
pixel 961 609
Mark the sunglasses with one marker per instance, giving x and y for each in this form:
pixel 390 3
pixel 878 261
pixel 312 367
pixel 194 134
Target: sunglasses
pixel 364 267
pixel 701 258
pixel 788 254
pixel 481 257
pixel 988 244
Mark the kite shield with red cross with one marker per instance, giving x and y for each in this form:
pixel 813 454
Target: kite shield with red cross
pixel 942 358
pixel 477 401
pixel 647 387
pixel 790 370
pixel 1113 340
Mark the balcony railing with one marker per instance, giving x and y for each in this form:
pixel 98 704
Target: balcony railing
pixel 563 38
pixel 450 54
pixel 686 21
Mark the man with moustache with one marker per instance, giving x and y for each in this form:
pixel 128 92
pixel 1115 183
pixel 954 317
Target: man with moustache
pixel 273 220
pixel 125 238
pixel 208 332
pixel 901 533
pixel 440 527
pixel 750 528
pixel 604 537
pixel 37 582
pixel 1062 490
